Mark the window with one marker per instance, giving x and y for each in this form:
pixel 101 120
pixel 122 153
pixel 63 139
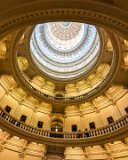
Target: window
pixel 40 124
pixel 126 109
pixel 74 128
pixel 8 109
pixel 110 120
pixel 92 125
pixel 23 118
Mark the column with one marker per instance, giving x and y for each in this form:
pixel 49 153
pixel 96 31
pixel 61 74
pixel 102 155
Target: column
pixel 33 116
pixel 101 122
pixel 82 122
pixel 114 104
pixel 18 108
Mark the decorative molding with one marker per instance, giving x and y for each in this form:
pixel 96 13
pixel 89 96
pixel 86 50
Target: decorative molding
pixel 41 11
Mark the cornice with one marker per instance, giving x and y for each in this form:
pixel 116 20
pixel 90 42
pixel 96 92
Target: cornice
pixel 33 12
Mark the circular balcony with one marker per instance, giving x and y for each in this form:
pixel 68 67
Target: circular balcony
pixel 114 131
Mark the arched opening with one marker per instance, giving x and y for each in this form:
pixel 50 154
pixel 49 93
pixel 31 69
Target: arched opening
pixel 57 125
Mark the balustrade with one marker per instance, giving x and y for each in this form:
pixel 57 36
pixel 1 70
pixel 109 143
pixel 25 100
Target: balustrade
pixel 68 135
pixel 79 97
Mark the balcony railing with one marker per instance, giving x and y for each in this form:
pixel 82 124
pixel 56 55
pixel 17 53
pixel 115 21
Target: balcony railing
pixel 14 123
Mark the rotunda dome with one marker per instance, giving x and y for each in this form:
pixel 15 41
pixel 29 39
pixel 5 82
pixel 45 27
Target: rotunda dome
pixel 65 50
pixel 64 85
